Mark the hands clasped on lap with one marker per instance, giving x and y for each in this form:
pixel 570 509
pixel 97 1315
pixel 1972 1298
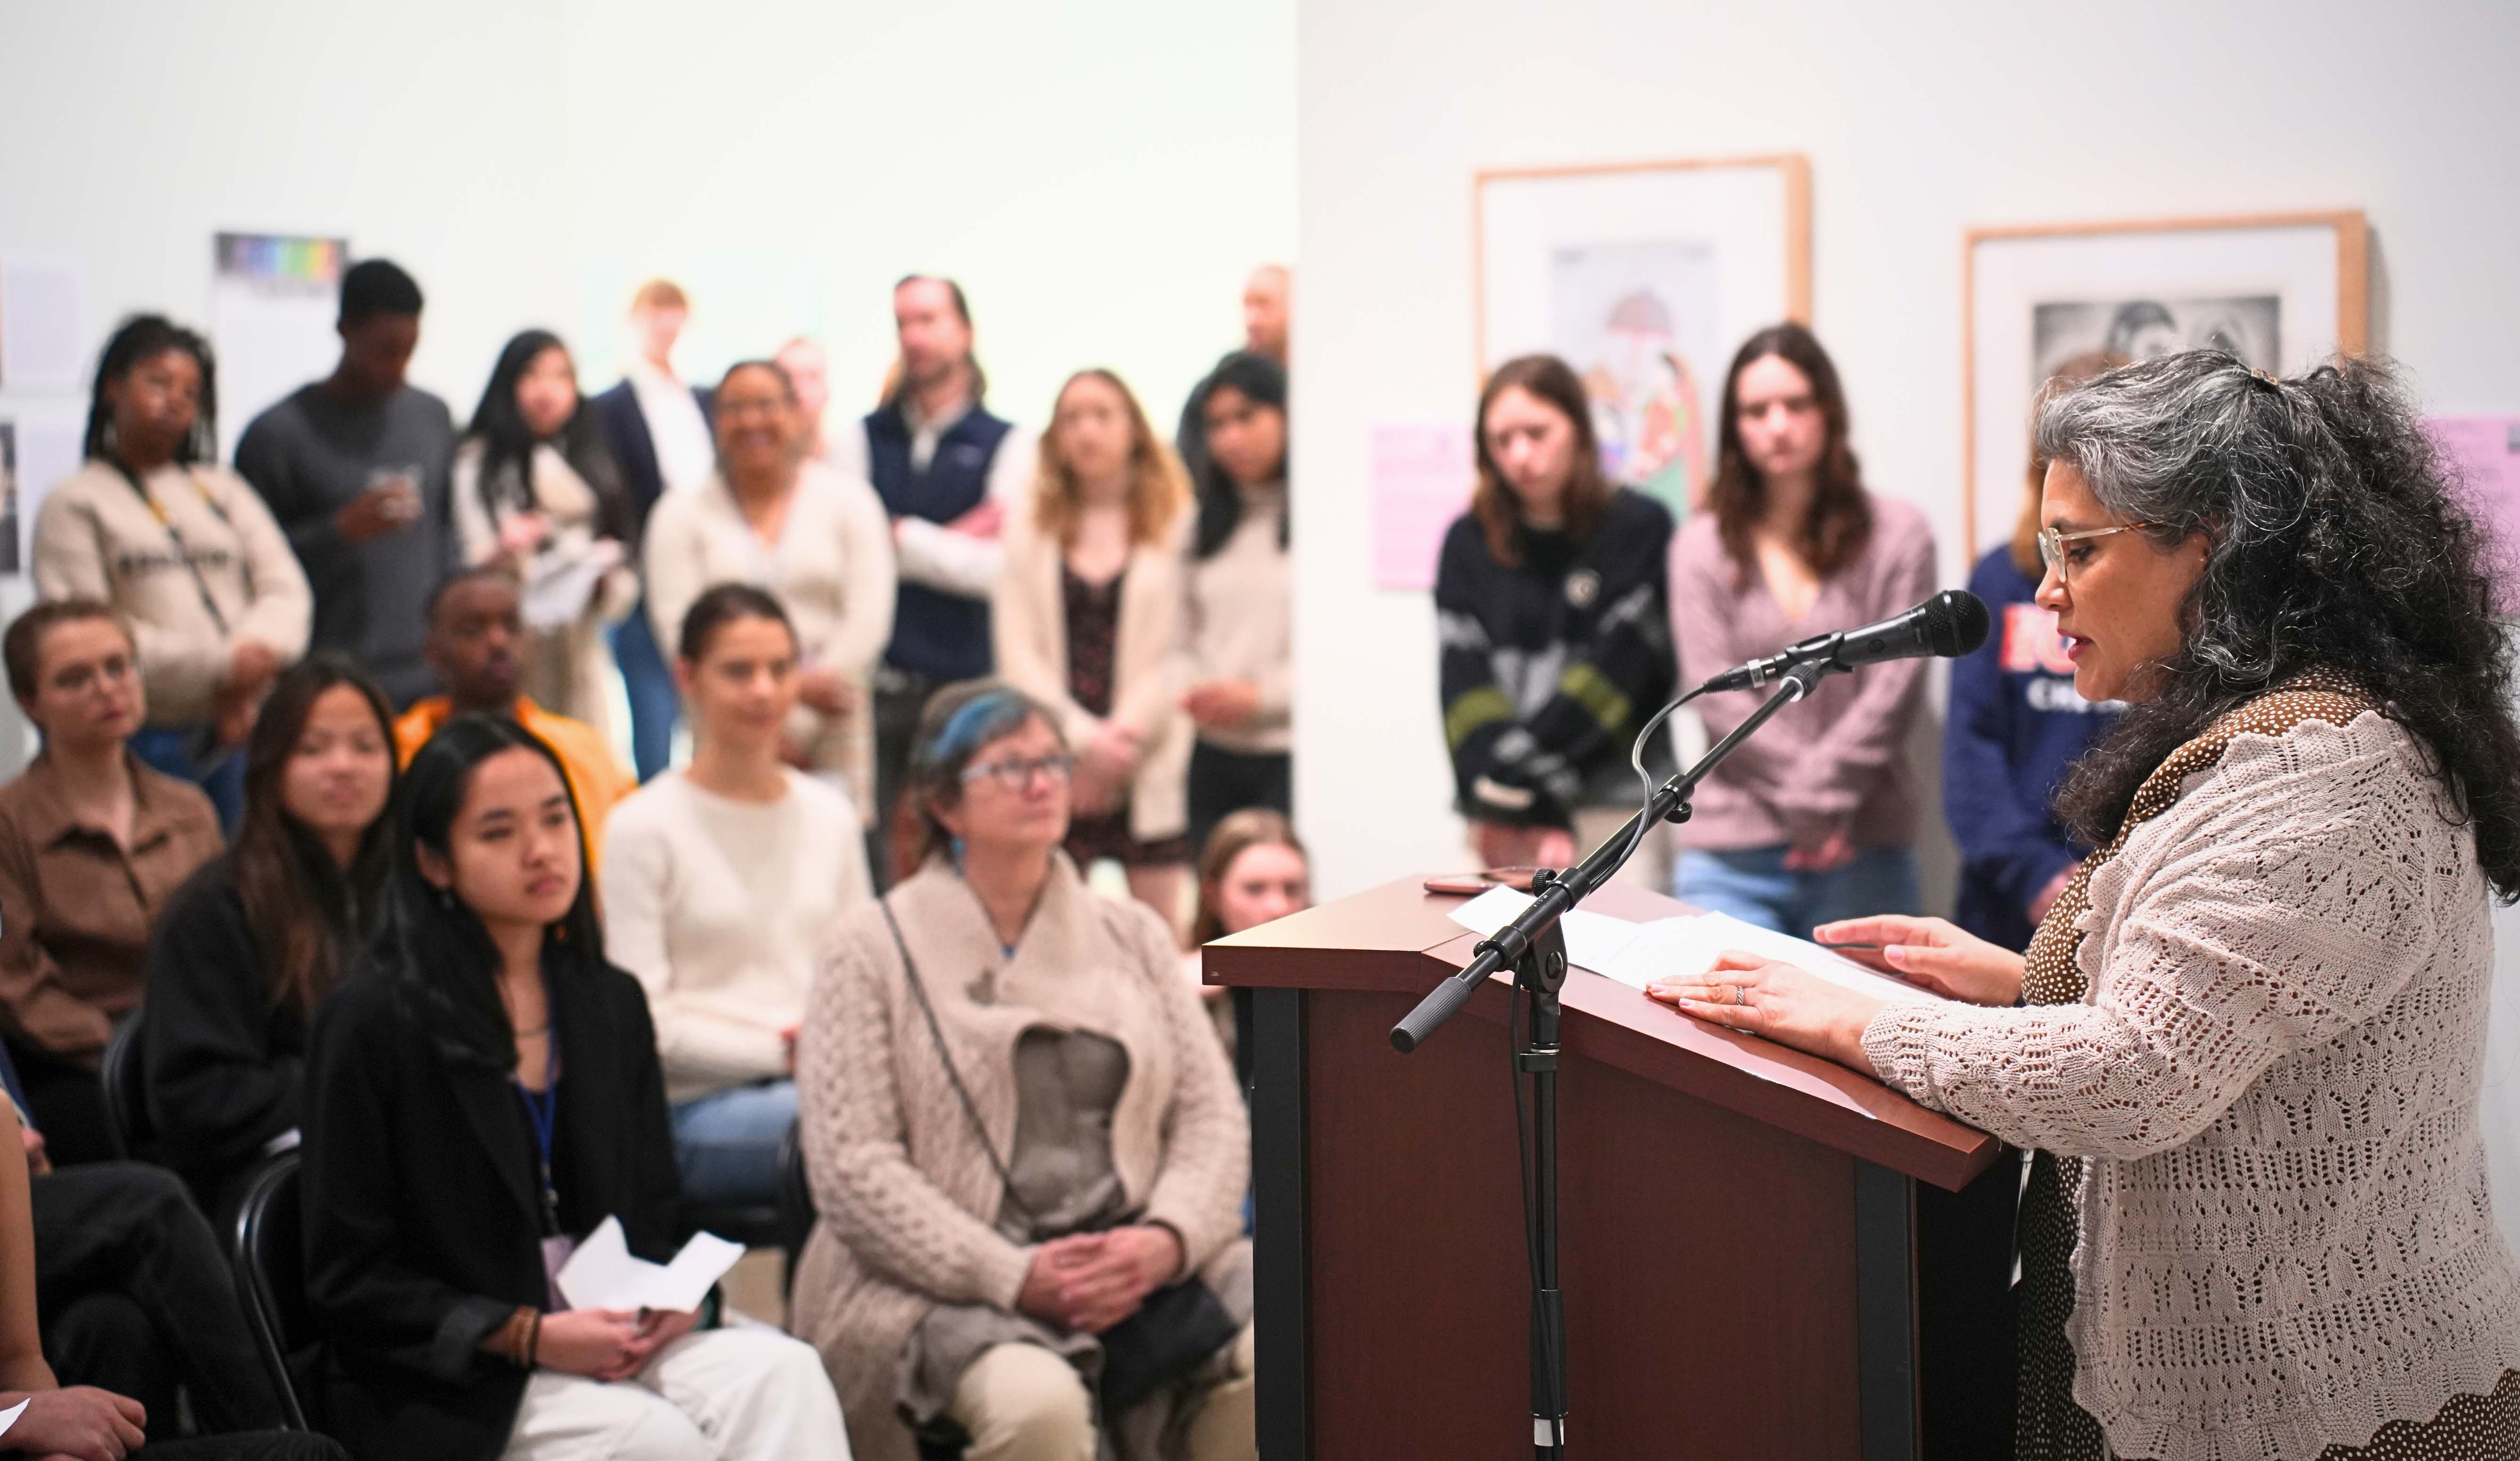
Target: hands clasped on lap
pixel 1091 1281
pixel 606 1343
pixel 1769 997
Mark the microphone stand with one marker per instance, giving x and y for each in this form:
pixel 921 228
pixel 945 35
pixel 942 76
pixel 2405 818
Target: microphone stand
pixel 1534 946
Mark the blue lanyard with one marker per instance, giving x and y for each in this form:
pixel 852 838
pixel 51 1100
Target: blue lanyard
pixel 542 1113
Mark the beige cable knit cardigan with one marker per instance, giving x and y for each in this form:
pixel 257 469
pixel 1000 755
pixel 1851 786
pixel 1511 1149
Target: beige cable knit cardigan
pixel 906 1196
pixel 2285 1239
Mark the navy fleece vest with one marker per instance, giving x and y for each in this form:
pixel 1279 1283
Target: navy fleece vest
pixel 942 636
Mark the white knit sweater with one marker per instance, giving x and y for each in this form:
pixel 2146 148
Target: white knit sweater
pixel 2285 1239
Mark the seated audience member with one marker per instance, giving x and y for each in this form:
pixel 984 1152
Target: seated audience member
pixel 248 949
pixel 659 431
pixel 976 1284
pixel 1252 872
pixel 92 844
pixel 182 548
pixel 2016 727
pixel 1087 620
pixel 722 885
pixel 486 1054
pixel 1241 643
pixel 475 624
pixel 1815 818
pixel 805 533
pixel 354 468
pixel 1555 648
pixel 537 493
pixel 131 1297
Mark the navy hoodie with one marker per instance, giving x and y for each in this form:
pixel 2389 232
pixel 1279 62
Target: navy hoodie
pixel 2016 725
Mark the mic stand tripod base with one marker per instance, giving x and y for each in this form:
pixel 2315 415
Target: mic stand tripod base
pixel 1538 976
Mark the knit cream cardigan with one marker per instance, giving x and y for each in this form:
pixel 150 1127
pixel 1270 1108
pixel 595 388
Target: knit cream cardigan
pixel 2285 1239
pixel 905 1195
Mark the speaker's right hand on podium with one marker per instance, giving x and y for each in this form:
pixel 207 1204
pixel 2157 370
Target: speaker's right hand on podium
pixel 1934 952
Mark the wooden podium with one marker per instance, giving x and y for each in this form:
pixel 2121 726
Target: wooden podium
pixel 1759 1253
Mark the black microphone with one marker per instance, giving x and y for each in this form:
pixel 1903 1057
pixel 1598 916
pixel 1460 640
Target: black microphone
pixel 1949 623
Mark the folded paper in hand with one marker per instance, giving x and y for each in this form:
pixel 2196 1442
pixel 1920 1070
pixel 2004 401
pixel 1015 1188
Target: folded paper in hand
pixel 9 1417
pixel 603 1273
pixel 1636 953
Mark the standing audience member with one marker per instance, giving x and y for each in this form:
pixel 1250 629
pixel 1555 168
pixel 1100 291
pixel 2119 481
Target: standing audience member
pixel 475 626
pixel 658 428
pixel 537 493
pixel 248 948
pixel 1267 308
pixel 947 471
pixel 112 1292
pixel 1549 603
pixel 355 467
pixel 2017 725
pixel 1252 870
pixel 92 844
pixel 1242 689
pixel 183 549
pixel 969 1282
pixel 1087 621
pixel 484 1053
pixel 809 535
pixel 809 373
pixel 722 885
pixel 1815 818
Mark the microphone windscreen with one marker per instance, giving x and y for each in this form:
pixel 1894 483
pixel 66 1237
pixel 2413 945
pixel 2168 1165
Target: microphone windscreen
pixel 1956 622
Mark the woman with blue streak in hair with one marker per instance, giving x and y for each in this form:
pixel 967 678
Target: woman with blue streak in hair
pixel 1026 1149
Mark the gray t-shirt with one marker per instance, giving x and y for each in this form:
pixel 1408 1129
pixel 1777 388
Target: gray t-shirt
pixel 309 457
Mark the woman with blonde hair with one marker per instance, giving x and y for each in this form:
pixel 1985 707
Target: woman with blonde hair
pixel 1252 870
pixel 1087 618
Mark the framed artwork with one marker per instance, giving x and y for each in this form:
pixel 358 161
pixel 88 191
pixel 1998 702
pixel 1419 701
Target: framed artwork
pixel 1644 277
pixel 2282 292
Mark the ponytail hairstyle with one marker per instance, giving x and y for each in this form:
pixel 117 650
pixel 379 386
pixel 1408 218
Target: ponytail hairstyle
pixel 2337 542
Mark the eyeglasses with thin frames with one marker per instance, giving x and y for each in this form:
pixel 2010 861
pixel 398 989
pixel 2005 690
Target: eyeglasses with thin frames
pixel 2051 544
pixel 1018 774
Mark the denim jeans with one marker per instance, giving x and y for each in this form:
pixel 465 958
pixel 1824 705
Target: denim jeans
pixel 169 749
pixel 727 1143
pixel 648 683
pixel 1753 885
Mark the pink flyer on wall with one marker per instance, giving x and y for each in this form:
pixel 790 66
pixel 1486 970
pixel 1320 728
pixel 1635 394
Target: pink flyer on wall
pixel 1420 481
pixel 2485 450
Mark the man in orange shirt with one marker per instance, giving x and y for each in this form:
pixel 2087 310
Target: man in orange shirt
pixel 475 622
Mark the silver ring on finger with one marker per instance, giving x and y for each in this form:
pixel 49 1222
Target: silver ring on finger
pixel 1740 994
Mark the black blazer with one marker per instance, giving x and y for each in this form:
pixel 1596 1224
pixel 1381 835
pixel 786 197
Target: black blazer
pixel 424 1226
pixel 634 449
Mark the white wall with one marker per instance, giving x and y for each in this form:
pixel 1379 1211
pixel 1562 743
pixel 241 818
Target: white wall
pixel 1918 123
pixel 1100 175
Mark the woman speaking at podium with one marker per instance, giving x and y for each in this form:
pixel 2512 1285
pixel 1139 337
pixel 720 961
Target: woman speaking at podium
pixel 2246 1043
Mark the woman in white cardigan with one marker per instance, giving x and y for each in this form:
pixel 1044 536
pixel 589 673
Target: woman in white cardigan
pixel 536 491
pixel 1090 617
pixel 1027 1150
pixel 816 539
pixel 2247 1043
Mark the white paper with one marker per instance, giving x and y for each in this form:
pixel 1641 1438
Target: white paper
pixel 9 1417
pixel 563 581
pixel 39 326
pixel 1592 938
pixel 1636 953
pixel 603 1273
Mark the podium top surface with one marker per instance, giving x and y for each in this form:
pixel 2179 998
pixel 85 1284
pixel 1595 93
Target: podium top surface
pixel 1398 938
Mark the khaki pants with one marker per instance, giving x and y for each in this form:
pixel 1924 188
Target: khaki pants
pixel 722 1395
pixel 1021 1403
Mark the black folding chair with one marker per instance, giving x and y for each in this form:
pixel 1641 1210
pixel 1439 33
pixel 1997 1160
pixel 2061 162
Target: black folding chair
pixel 126 1099
pixel 271 1279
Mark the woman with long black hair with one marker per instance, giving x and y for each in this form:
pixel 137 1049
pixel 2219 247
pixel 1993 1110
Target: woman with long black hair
pixel 536 491
pixel 486 1055
pixel 1241 640
pixel 254 941
pixel 183 548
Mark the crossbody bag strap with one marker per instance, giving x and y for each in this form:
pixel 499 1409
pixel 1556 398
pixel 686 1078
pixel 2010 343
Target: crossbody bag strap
pixel 174 535
pixel 936 1033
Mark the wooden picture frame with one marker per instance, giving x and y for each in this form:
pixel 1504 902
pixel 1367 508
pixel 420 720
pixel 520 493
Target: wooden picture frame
pixel 1644 276
pixel 2295 285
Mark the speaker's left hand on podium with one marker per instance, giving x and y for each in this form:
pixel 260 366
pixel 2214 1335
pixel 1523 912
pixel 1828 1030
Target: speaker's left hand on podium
pixel 1763 996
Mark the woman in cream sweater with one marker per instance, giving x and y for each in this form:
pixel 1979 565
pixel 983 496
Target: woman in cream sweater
pixel 815 539
pixel 2247 1042
pixel 1026 1148
pixel 1089 618
pixel 723 882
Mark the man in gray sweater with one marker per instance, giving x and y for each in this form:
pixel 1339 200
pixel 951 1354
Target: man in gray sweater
pixel 355 467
